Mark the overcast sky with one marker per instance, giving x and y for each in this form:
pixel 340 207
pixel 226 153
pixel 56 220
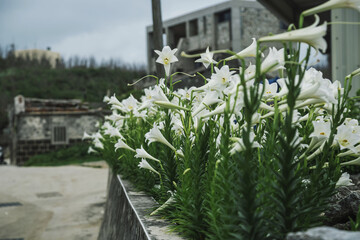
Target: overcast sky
pixel 101 28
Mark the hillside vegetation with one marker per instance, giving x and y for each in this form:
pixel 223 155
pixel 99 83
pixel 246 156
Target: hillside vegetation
pixel 77 78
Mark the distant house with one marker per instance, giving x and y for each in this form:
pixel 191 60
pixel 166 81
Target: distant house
pixel 39 54
pixel 42 125
pixel 229 25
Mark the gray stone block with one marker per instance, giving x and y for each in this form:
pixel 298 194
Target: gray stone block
pixel 324 233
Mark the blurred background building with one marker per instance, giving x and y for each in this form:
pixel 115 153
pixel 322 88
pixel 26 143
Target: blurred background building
pixel 229 25
pixel 343 39
pixel 43 125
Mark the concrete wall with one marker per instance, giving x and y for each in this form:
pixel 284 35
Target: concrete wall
pixel 127 215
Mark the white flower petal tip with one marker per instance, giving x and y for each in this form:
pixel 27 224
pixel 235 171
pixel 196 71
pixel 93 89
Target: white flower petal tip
pixel 312 35
pixel 122 144
pixel 141 153
pixel 154 135
pixel 250 51
pixel 144 164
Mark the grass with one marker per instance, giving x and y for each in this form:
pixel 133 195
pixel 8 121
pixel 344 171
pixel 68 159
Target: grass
pixel 74 155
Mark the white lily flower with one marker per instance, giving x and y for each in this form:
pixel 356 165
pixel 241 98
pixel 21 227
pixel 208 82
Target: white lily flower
pixel 270 89
pixel 177 126
pixel 154 135
pixel 115 117
pixel 112 131
pixel 91 150
pixel 206 58
pixel 98 144
pixel 237 104
pixel 332 4
pixel 141 153
pixel 86 136
pixel 322 129
pixel 159 94
pixel 166 56
pixel 312 35
pixel 121 144
pixel 98 135
pixel 130 104
pixel 220 79
pixel 351 122
pixel 210 98
pixel 336 88
pixel 346 138
pixel 344 180
pixel 106 99
pixel 273 62
pixel 114 101
pixel 250 51
pixel 186 93
pixel 321 133
pixel 239 146
pixel 144 164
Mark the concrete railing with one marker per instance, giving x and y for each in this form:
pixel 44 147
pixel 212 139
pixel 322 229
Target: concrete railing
pixel 127 214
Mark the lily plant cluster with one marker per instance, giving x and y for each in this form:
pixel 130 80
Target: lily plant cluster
pixel 243 156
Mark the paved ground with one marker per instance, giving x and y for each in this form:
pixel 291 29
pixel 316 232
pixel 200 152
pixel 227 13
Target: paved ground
pixel 57 203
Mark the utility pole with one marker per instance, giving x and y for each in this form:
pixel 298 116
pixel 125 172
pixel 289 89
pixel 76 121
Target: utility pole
pixel 157 32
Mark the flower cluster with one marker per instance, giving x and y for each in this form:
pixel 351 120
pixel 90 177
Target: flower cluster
pixel 238 137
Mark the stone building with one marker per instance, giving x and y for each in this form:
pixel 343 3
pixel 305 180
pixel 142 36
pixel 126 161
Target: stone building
pixel 42 125
pixel 229 25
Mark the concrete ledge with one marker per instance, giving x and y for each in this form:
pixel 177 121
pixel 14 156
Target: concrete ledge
pixel 127 214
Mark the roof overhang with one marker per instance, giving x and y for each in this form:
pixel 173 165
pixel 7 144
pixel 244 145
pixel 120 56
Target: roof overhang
pixel 289 11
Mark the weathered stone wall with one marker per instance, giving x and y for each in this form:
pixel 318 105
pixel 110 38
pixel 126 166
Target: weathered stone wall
pixel 256 23
pixel 39 127
pixel 29 148
pixel 34 133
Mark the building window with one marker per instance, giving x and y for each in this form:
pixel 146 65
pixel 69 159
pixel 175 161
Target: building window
pixel 224 16
pixel 59 135
pixel 194 27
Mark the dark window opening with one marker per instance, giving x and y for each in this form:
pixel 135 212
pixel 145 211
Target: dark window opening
pixel 59 135
pixel 193 25
pixel 224 16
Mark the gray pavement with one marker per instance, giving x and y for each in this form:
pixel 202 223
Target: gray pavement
pixel 42 203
